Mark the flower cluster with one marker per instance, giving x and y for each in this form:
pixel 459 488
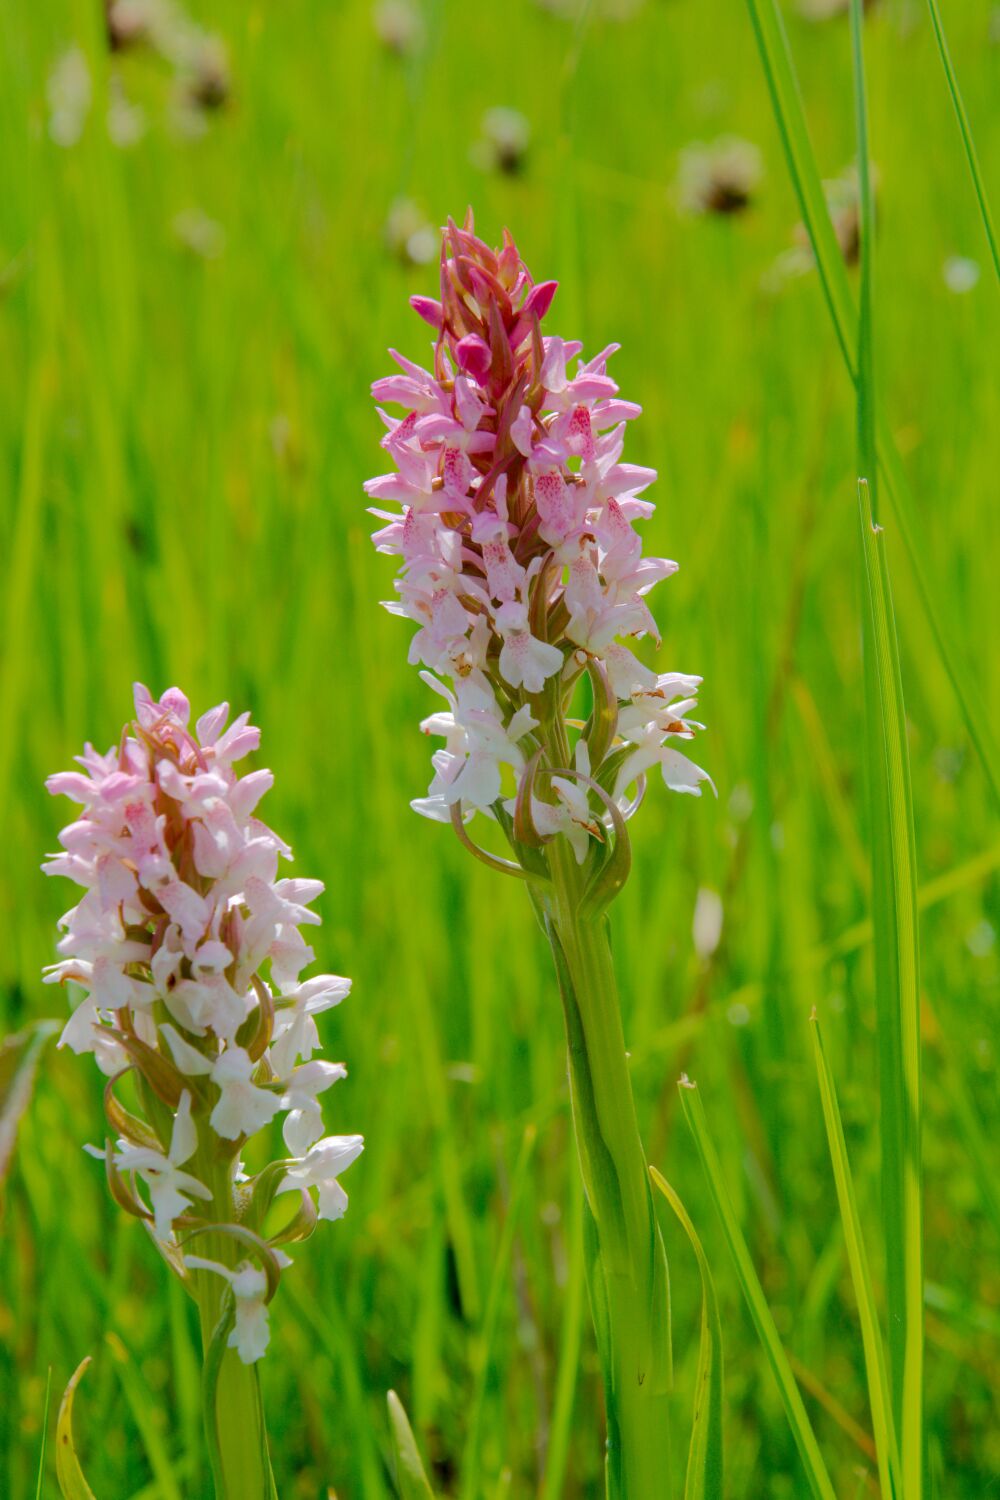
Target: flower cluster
pixel 520 562
pixel 190 950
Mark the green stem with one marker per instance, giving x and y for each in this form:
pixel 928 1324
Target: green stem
pixel 628 1266
pixel 235 1428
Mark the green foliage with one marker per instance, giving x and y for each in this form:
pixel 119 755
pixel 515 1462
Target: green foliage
pixel 704 1476
pixel 879 1392
pixel 411 1479
pixel 815 1469
pixel 68 1471
pixel 183 438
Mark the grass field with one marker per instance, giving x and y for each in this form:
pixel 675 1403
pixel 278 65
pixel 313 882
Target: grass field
pixel 188 330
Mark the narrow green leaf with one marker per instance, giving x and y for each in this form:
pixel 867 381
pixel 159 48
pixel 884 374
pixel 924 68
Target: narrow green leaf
pixel 867 458
pixel 140 1405
pixel 45 1434
pixel 210 1369
pixel 966 131
pixel 560 1429
pixel 411 1478
pixel 897 1002
pixel 499 1286
pixel 68 1471
pixel 18 1062
pixel 704 1479
pixel 791 121
pixel 820 1485
pixel 879 1393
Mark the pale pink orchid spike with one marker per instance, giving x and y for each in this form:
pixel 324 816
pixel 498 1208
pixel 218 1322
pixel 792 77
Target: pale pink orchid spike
pixel 520 562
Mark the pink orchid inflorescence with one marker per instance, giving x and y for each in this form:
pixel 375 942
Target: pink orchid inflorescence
pixel 189 947
pixel 520 562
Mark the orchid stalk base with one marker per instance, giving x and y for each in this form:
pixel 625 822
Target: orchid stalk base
pixel 627 1265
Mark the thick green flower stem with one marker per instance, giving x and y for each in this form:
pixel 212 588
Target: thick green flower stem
pixel 234 1421
pixel 627 1267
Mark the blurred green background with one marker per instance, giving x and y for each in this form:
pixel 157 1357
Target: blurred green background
pixel 194 299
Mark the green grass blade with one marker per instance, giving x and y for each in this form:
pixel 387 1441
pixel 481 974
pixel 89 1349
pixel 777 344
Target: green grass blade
pixel 704 1478
pixel 805 1439
pixel 411 1477
pixel 19 1056
pixel 45 1434
pixel 879 1394
pixel 68 1470
pixel 561 1429
pixel 472 1480
pixel 966 132
pixel 865 382
pixel 790 117
pixel 897 1003
pixel 141 1405
pixel 791 121
pixel 979 1149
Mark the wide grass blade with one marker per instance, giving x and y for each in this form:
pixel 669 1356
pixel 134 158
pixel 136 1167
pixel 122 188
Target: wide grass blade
pixel 897 1003
pixel 879 1394
pixel 820 1485
pixel 704 1478
pixel 68 1470
pixel 411 1478
pixel 791 120
pixel 966 131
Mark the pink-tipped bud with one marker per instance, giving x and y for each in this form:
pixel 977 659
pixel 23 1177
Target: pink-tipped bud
pixel 539 299
pixel 474 357
pixel 429 309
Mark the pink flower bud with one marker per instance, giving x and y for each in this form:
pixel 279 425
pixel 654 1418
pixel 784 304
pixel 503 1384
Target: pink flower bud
pixel 474 357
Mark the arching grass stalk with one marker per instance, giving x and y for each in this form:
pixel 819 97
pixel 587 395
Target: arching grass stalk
pixel 188 948
pixel 522 568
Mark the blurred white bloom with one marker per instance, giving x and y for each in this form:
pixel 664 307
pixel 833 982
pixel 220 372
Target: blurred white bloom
pixel 719 178
pixel 199 234
pixel 68 91
pixel 706 927
pixel 503 141
pixel 409 234
pixel 960 274
pixel 398 25
pixel 126 121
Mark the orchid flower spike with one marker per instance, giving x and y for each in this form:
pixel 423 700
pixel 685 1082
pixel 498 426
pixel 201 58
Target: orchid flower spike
pixel 188 946
pixel 521 566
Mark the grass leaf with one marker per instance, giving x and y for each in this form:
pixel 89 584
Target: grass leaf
pixel 18 1061
pixel 791 121
pixel 798 1419
pixel 971 155
pixel 897 1002
pixel 499 1286
pixel 704 1478
pixel 879 1393
pixel 411 1479
pixel 141 1405
pixel 45 1433
pixel 68 1470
